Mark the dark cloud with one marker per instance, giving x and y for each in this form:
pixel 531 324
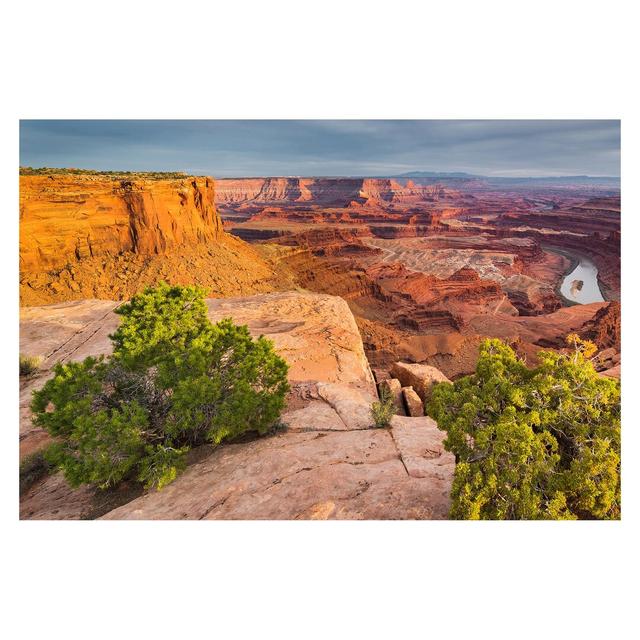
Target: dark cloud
pixel 326 147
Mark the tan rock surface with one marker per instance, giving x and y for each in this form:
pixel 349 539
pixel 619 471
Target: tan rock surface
pixel 54 499
pixel 316 416
pixel 327 463
pixel 59 333
pixel 412 402
pixel 308 474
pixel 421 377
pixel 302 473
pixel 352 405
pixel 316 334
pixel 420 444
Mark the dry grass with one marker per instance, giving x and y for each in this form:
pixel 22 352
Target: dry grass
pixel 29 365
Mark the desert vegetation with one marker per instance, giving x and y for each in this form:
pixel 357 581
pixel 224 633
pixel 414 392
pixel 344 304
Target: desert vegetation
pixel 32 468
pixel 533 443
pixel 29 365
pixel 383 410
pixel 149 175
pixel 174 381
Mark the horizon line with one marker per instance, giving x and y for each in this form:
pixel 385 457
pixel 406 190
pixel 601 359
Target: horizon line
pixel 404 175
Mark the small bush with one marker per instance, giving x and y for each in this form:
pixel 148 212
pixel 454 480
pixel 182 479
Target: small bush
pixel 33 468
pixel 29 365
pixel 174 381
pixel 540 443
pixel 383 410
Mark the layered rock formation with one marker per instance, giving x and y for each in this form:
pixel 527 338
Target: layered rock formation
pixel 604 329
pixel 327 191
pixel 328 463
pixel 107 237
pixel 588 227
pixel 70 217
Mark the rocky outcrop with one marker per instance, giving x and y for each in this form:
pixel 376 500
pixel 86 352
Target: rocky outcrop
pixel 66 218
pixel 327 462
pixel 421 377
pixel 341 192
pixel 605 327
pixel 412 402
pixel 98 236
pixel 237 190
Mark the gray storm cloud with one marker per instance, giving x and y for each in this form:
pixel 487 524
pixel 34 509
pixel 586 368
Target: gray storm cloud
pixel 326 147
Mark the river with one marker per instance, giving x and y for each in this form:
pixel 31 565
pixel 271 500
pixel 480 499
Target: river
pixel 581 285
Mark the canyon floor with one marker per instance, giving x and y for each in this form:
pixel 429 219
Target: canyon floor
pixel 428 269
pixel 347 277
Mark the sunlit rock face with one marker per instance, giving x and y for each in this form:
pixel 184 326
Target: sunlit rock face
pixel 98 236
pixel 70 217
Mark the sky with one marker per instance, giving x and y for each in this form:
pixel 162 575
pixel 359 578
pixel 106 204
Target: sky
pixel 235 148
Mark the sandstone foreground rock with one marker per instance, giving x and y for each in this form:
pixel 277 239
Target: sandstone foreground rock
pixel 326 463
pixel 414 405
pixel 421 377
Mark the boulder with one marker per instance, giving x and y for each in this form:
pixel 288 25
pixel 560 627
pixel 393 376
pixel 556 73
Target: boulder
pixel 421 377
pixel 393 387
pixel 412 401
pixel 614 372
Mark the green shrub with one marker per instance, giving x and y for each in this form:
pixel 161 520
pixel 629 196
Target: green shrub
pixel 29 364
pixel 174 381
pixel 541 443
pixel 383 410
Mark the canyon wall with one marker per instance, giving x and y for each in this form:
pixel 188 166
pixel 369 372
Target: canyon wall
pixel 66 218
pixel 326 191
pixel 108 237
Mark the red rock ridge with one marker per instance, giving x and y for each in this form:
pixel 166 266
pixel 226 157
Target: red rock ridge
pixel 67 218
pixel 327 191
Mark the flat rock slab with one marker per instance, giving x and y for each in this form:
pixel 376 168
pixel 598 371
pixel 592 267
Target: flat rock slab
pixel 54 499
pixel 302 475
pixel 253 469
pixel 351 404
pixel 420 444
pixel 315 333
pixel 316 416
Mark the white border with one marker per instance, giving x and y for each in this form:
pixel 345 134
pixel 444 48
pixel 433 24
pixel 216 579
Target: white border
pixel 331 59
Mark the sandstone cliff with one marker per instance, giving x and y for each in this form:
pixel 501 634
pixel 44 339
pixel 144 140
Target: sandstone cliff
pixel 71 217
pixel 106 237
pixel 326 191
